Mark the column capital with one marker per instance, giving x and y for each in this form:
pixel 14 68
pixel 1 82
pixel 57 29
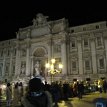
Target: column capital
pixel 79 39
pixel 63 41
pixel 92 38
pixel 28 45
pixel 50 42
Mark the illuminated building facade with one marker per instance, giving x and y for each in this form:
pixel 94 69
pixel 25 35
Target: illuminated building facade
pixel 81 49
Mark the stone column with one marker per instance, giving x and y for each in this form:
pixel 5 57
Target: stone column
pixel 49 50
pixel 64 57
pixel 32 68
pixel 68 56
pixel 80 59
pixel 10 63
pixel 28 72
pixel 17 64
pixel 105 43
pixel 28 62
pixel 4 64
pixel 93 53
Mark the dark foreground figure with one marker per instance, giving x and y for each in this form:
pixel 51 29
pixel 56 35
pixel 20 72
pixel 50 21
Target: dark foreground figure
pixel 36 96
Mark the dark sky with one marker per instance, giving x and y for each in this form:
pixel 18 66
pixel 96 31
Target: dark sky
pixel 19 13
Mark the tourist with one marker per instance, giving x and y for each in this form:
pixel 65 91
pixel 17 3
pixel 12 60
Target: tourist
pixel 80 87
pixel 104 86
pixel 36 96
pixel 8 95
pixel 15 95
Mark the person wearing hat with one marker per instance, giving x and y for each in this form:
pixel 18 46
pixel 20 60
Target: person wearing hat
pixel 8 95
pixel 36 96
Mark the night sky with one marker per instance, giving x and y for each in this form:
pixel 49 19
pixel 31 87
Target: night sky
pixel 20 13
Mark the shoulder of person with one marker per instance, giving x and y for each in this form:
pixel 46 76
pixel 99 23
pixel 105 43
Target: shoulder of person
pixel 49 99
pixel 47 93
pixel 25 102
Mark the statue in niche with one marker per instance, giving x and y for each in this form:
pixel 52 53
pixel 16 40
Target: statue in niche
pixel 40 20
pixel 37 69
pixel 23 52
pixel 23 69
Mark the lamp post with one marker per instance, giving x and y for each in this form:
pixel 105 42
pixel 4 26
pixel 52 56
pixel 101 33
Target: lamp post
pixel 51 68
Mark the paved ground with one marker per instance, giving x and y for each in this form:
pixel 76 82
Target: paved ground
pixel 86 101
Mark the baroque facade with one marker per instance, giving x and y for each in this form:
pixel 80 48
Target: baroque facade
pixel 81 49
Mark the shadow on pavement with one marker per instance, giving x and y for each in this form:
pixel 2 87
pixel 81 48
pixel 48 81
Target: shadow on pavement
pixel 68 104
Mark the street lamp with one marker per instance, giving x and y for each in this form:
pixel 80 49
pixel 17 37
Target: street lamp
pixel 52 69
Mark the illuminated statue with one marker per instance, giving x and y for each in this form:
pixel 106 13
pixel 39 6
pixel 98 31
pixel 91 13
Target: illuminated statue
pixel 23 69
pixel 37 69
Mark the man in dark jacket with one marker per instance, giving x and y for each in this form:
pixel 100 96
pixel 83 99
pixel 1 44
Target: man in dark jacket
pixel 36 96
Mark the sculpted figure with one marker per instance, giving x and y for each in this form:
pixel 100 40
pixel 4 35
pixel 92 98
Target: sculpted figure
pixel 23 69
pixel 37 69
pixel 40 19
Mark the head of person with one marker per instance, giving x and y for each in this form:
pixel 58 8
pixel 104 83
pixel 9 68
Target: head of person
pixel 8 84
pixel 35 84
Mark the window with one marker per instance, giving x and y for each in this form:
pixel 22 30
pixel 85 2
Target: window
pixel 72 31
pixel 101 63
pixel 73 44
pixel 97 26
pixel 84 28
pixel 99 43
pixel 85 42
pixel 87 65
pixel 73 65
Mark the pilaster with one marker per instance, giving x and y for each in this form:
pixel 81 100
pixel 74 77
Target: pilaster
pixel 32 66
pixel 17 65
pixel 105 43
pixel 64 57
pixel 50 50
pixel 28 58
pixel 4 64
pixel 10 73
pixel 93 52
pixel 80 58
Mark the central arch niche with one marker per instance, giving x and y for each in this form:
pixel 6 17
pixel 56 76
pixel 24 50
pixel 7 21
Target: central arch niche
pixel 39 52
pixel 39 55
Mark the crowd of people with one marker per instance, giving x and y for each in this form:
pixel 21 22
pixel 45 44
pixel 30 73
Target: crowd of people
pixel 39 94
